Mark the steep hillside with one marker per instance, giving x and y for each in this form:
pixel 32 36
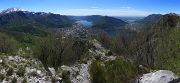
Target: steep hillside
pixel 157 46
pixel 108 23
pixel 150 19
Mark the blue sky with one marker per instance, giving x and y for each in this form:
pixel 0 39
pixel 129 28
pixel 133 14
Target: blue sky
pixel 96 7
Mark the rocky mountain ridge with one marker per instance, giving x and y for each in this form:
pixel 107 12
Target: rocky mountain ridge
pixel 14 9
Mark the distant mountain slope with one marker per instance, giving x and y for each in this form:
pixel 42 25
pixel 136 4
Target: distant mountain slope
pixel 108 23
pixel 150 19
pixel 92 17
pixel 31 22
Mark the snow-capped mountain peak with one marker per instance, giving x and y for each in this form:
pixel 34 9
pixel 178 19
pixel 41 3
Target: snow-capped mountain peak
pixel 14 9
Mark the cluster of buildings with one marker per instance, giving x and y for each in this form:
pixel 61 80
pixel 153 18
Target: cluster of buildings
pixel 78 30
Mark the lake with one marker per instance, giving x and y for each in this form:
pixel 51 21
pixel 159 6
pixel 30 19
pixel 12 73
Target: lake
pixel 85 23
pixel 110 32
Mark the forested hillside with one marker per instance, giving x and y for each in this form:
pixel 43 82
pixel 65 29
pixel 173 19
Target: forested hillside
pixel 150 19
pixel 157 49
pixel 108 23
pixel 33 22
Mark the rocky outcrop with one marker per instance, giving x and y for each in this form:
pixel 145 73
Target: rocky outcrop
pixel 24 70
pixel 32 70
pixel 160 76
pixel 79 73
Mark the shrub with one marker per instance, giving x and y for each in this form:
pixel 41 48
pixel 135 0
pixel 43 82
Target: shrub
pixel 34 73
pixel 109 53
pixel 7 44
pixel 65 76
pixel 98 57
pixel 54 50
pixel 4 63
pixel 10 71
pixel 97 72
pixel 21 71
pixel 14 80
pixel 116 71
pixel 119 71
pixel 53 79
pixel 24 80
pixel 2 76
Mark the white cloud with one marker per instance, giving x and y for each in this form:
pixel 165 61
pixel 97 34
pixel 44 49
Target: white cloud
pixel 94 7
pixel 127 11
pixel 125 7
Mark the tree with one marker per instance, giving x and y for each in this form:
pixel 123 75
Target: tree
pixel 7 44
pixel 54 50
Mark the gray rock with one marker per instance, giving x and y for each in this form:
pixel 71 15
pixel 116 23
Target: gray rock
pixel 160 76
pixel 1 60
pixel 27 48
pixel 111 58
pixel 52 70
pixel 3 71
pixel 107 58
pixel 36 61
pixel 10 58
pixel 39 72
pixel 140 66
pixel 64 67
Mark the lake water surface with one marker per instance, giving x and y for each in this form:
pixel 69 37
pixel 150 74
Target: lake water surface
pixel 85 23
pixel 110 32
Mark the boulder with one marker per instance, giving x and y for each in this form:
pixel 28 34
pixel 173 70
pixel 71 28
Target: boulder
pixel 160 76
pixel 10 58
pixel 59 79
pixel 27 48
pixel 52 70
pixel 1 60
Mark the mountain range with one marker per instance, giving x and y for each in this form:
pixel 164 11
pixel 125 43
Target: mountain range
pixel 9 10
pixel 17 19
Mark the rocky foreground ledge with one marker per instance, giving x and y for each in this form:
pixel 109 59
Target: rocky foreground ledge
pixel 160 76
